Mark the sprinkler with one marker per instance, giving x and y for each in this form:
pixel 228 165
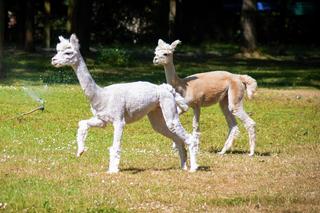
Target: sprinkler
pixel 41 108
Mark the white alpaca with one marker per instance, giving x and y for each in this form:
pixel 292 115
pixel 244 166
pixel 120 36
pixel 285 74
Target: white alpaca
pixel 205 89
pixel 121 104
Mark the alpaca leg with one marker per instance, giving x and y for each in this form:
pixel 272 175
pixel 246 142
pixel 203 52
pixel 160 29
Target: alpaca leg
pixel 174 145
pixel 196 122
pixel 171 117
pixel 84 125
pixel 232 123
pixel 115 150
pixel 250 127
pixel 235 97
pixel 158 124
pixel 182 154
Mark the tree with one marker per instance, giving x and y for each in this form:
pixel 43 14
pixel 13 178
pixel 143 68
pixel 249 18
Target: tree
pixel 79 18
pixel 47 26
pixel 172 17
pixel 2 23
pixel 29 26
pixel 248 13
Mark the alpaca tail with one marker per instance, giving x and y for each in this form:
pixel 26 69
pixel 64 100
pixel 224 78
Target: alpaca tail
pixel 180 101
pixel 251 85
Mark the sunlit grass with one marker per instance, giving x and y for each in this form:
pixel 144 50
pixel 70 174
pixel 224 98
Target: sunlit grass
pixel 39 170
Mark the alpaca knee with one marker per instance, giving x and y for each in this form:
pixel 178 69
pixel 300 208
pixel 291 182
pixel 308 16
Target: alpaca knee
pixel 193 143
pixel 250 124
pixel 196 135
pixel 235 131
pixel 173 126
pixel 83 125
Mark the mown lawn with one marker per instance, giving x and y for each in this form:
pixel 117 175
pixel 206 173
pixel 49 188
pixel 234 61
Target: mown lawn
pixel 39 170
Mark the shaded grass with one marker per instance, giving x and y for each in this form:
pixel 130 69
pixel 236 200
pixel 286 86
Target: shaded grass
pixel 39 171
pixel 293 67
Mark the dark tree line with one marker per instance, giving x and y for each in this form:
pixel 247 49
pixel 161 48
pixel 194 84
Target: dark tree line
pixel 31 23
pixel 2 23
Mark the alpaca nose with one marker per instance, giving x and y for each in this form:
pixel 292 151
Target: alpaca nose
pixel 155 60
pixel 53 61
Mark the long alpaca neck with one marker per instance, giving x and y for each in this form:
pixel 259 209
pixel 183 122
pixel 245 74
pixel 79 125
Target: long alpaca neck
pixel 173 79
pixel 171 75
pixel 87 83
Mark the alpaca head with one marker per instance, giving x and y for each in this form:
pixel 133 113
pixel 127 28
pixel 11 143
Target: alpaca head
pixel 164 52
pixel 67 52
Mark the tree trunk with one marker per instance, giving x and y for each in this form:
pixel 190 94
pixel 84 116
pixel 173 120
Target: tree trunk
pixel 248 13
pixel 2 22
pixel 29 25
pixel 172 18
pixel 79 15
pixel 47 26
pixel 70 15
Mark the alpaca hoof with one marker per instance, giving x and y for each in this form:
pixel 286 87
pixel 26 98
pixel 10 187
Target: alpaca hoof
pixel 251 154
pixel 221 153
pixel 80 152
pixel 184 168
pixel 113 171
pixel 193 168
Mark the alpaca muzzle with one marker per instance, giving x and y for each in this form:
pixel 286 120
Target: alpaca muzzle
pixel 155 61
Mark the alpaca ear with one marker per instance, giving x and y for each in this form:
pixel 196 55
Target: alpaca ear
pixel 161 42
pixel 74 41
pixel 61 38
pixel 174 44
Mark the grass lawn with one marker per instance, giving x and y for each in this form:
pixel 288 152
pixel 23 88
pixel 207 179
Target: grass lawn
pixel 39 170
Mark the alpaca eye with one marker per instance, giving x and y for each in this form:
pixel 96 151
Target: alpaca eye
pixel 68 53
pixel 166 54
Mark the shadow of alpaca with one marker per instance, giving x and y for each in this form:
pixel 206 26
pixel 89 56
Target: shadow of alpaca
pixel 135 170
pixel 240 152
pixel 204 168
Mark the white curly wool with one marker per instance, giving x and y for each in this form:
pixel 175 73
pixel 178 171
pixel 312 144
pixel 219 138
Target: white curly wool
pixel 125 103
pixel 205 89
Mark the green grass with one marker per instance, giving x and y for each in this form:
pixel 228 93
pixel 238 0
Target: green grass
pixel 39 170
pixel 40 173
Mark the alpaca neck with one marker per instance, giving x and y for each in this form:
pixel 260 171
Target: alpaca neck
pixel 87 83
pixel 172 77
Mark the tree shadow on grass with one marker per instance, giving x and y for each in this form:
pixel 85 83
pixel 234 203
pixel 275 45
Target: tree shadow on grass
pixel 268 73
pixel 23 67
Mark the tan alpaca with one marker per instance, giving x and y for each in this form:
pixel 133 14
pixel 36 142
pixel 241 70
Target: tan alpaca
pixel 205 89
